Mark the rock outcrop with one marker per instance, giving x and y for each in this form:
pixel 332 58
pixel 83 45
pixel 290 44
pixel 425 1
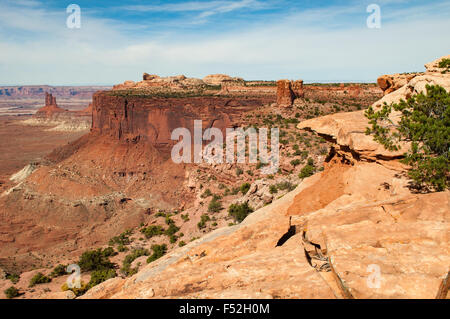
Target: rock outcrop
pixel 153 119
pixel 60 119
pixel 288 91
pixel 391 83
pixel 220 79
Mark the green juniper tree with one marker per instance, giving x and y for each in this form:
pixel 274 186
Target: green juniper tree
pixel 425 123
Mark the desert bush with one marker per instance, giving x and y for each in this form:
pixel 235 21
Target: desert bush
pixel 445 64
pixel 128 260
pixel 206 193
pixel 13 277
pixel 39 278
pixel 286 186
pixel 122 239
pixel 215 205
pixel 59 270
pixel 307 170
pixel 97 259
pixel 425 123
pixel 202 223
pixel 11 292
pixel 153 230
pixel 101 275
pixel 239 211
pixel 158 252
pixel 171 230
pixel 295 162
pixel 273 189
pixel 245 188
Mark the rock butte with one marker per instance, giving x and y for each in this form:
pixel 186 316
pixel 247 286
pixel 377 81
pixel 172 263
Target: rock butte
pixel 60 119
pixel 323 239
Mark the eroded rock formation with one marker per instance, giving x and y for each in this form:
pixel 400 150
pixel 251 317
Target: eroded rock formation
pixel 288 91
pixel 60 119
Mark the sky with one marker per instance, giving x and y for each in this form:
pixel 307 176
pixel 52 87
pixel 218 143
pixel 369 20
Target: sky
pixel 313 40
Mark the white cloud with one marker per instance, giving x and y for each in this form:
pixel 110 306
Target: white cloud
pixel 301 45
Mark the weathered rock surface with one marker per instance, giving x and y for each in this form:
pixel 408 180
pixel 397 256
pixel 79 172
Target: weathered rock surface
pixel 288 91
pixel 404 81
pixel 219 79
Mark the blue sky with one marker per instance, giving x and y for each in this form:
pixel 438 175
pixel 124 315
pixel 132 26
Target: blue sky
pixel 326 41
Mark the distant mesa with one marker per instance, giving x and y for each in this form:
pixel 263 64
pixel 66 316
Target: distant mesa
pixel 219 79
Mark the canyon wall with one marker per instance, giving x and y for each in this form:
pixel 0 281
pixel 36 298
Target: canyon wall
pixel 153 119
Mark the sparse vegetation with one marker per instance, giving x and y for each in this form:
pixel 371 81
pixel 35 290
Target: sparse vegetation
pixel 203 219
pixel 215 205
pixel 158 252
pixel 11 292
pixel 425 123
pixel 58 271
pixel 239 211
pixel 136 253
pixel 39 278
pixel 153 230
pixel 245 188
pixel 97 259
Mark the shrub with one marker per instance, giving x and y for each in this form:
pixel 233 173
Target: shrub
pixel 203 219
pixel 245 188
pixel 11 292
pixel 286 186
pixel 98 259
pixel 39 278
pixel 173 239
pixel 181 244
pixel 239 171
pixel 445 64
pixel 122 239
pixel 13 277
pixel 158 252
pixel 295 162
pixel 171 230
pixel 153 230
pixel 307 171
pixel 77 291
pixel 206 193
pixel 273 189
pixel 239 211
pixel 425 122
pixel 136 253
pixel 99 276
pixel 215 205
pixel 58 271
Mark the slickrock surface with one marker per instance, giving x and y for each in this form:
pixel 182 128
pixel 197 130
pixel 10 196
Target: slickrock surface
pixel 354 230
